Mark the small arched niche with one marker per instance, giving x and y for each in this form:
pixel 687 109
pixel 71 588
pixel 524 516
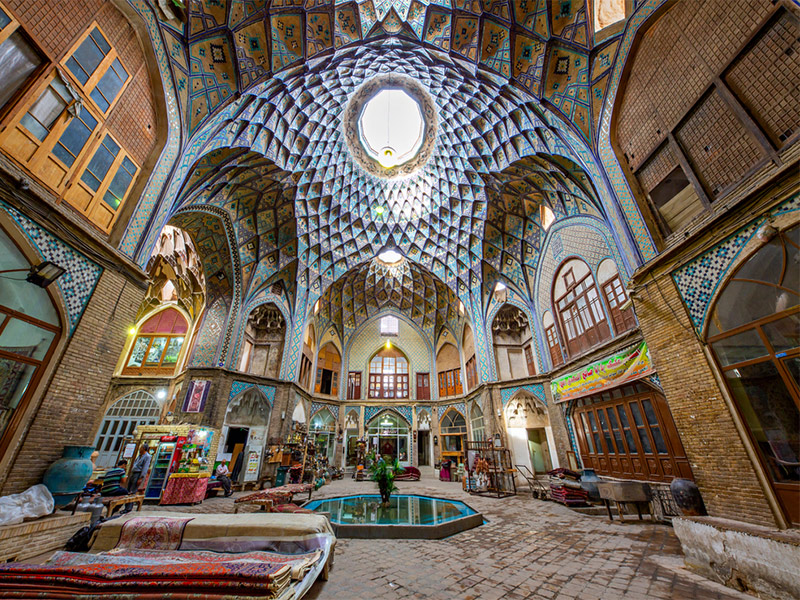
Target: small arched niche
pixel 264 336
pixel 329 365
pixel 529 432
pixel 513 344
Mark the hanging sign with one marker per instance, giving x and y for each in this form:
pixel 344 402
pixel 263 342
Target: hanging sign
pixel 196 396
pixel 622 367
pixel 253 463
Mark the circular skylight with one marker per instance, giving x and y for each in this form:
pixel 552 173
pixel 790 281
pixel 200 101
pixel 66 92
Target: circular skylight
pixel 390 257
pixel 391 127
pixel 390 124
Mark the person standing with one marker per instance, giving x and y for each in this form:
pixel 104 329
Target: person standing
pixel 140 468
pixel 223 477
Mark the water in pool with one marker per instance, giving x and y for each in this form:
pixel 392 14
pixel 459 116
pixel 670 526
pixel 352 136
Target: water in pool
pixel 402 510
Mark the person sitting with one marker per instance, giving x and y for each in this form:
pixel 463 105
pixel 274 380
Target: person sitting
pixel 223 476
pixel 113 482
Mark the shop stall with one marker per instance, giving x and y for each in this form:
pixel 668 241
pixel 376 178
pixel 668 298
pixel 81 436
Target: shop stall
pixel 181 464
pixel 489 471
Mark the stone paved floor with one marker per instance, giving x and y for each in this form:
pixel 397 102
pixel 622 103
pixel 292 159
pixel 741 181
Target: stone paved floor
pixel 528 549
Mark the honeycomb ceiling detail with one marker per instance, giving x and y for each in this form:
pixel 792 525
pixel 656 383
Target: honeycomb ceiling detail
pixel 372 287
pixel 228 46
pixel 303 210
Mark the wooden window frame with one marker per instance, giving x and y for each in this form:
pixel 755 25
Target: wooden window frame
pixel 391 386
pixel 99 72
pixel 606 424
pixel 623 320
pixel 450 383
pixel 528 352
pixel 354 385
pixel 149 368
pixel 471 368
pixel 96 199
pixel 578 334
pixel 40 365
pixel 556 355
pixel 36 163
pixel 423 386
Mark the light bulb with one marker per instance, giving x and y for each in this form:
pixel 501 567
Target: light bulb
pixel 378 210
pixel 387 158
pixel 132 331
pixel 388 345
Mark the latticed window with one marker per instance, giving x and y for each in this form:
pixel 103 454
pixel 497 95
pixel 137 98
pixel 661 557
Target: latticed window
pixel 453 428
pixel 122 417
pixel 616 296
pixel 450 383
pixel 157 345
pixel 388 375
pixel 581 312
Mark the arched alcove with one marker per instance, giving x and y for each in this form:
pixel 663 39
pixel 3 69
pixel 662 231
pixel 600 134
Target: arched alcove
pixel 424 442
pixel 264 338
pixel 351 434
pixel 329 367
pixel 529 432
pixel 322 430
pixel 307 358
pixel 513 344
pixel 470 361
pixel 245 427
pixel 158 345
pixel 453 435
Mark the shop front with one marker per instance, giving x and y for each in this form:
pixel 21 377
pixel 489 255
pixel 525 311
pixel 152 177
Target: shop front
pixel 244 435
pixel 390 436
pixel 622 423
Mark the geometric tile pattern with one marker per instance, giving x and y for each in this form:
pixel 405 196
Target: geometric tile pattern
pixel 81 276
pixel 318 406
pixel 459 406
pixel 698 280
pixel 371 411
pixel 374 287
pixel 237 387
pixel 537 389
pixel 205 349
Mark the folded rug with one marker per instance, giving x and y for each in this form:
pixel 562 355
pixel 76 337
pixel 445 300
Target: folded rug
pixel 152 533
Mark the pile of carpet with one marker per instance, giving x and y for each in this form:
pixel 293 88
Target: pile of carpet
pixel 565 487
pixel 151 559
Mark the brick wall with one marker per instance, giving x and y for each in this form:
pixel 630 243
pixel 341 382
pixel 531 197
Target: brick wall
pixel 721 466
pixel 76 393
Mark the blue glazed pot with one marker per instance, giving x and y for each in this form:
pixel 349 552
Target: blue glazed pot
pixel 69 474
pixel 589 481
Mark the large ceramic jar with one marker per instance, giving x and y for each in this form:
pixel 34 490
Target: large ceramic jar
pixel 589 481
pixel 69 474
pixel 687 497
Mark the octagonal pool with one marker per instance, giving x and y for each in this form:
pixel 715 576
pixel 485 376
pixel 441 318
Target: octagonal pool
pixel 407 516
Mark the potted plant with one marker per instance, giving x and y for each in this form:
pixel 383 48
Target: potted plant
pixel 384 475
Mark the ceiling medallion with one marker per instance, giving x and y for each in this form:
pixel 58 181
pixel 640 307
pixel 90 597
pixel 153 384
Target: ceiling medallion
pixel 390 125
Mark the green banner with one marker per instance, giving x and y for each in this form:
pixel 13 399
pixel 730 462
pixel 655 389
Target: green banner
pixel 627 365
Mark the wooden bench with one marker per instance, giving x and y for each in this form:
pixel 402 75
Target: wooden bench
pixel 264 503
pixel 112 502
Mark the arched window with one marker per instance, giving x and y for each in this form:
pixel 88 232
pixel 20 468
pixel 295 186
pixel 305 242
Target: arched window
pixel 388 374
pixel 323 432
pixel 754 333
pixel 453 428
pixel 29 331
pixel 579 308
pixel 121 418
pixel 476 421
pixel 513 351
pixel 329 364
pixel 351 437
pixel 158 345
pixel 448 365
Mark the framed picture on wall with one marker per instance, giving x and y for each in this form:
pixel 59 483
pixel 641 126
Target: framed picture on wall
pixel 196 395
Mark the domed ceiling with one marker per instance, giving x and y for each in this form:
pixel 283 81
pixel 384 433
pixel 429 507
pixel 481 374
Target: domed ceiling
pixel 267 163
pixel 373 287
